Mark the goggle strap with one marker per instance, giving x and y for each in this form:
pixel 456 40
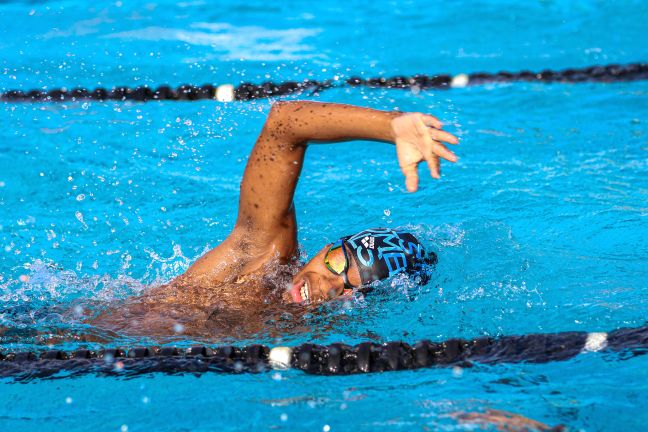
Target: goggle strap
pixel 345 277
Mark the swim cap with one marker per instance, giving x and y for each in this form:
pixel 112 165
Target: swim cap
pixel 381 253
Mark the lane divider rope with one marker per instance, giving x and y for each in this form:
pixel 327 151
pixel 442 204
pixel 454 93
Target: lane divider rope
pixel 248 91
pixel 333 359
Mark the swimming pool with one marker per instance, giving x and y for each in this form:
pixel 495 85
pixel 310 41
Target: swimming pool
pixel 540 227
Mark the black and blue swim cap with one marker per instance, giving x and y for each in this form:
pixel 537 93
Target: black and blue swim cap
pixel 381 253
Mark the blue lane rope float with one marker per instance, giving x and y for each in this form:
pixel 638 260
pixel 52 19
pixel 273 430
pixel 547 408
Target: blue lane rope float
pixel 334 359
pixel 247 91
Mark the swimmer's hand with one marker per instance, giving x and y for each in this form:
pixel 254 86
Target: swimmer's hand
pixel 419 138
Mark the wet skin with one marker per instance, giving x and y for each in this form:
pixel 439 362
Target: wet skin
pixel 254 273
pixel 315 283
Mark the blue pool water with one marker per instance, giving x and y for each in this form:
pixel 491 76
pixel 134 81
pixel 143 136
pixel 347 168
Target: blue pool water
pixel 540 227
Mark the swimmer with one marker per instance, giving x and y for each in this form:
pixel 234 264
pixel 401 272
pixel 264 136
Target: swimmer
pixel 230 288
pixel 503 421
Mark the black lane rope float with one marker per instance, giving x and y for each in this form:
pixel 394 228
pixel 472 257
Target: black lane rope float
pixel 334 359
pixel 248 91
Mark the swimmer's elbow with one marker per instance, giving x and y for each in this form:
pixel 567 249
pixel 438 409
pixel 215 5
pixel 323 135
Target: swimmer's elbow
pixel 281 120
pixel 283 108
pixel 278 111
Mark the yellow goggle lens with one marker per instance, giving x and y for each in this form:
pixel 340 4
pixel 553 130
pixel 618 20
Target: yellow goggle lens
pixel 335 260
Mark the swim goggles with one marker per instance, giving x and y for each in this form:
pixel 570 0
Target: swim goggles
pixel 335 264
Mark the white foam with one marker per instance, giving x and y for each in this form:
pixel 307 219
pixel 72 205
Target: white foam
pixel 595 342
pixel 225 93
pixel 459 81
pixel 280 357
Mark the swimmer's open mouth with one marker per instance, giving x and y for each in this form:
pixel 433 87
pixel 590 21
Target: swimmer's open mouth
pixel 300 292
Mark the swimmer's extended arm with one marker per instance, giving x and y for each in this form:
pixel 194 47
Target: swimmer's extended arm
pixel 276 161
pixel 266 224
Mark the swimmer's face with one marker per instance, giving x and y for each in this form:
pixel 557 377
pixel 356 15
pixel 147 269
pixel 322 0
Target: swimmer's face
pixel 315 283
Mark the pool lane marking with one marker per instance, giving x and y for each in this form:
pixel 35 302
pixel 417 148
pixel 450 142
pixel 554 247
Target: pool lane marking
pixel 595 342
pixel 225 93
pixel 459 81
pixel 280 357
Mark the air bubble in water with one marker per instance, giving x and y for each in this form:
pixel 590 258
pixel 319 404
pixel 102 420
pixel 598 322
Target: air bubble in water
pixel 79 217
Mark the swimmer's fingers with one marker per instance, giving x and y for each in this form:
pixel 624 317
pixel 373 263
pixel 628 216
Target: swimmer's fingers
pixel 430 120
pixel 424 141
pixel 410 172
pixel 435 166
pixel 439 135
pixel 442 151
pixel 429 144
